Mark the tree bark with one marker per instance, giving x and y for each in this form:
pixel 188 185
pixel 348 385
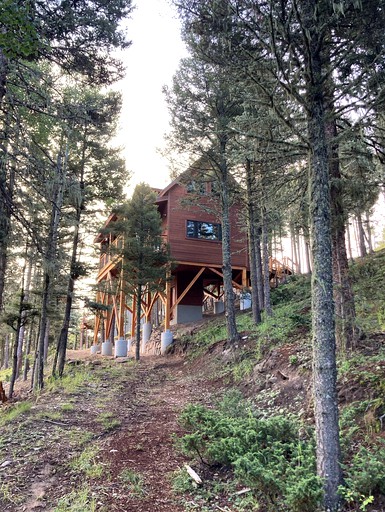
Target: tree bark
pixel 345 310
pixel 324 346
pixel 347 230
pixel 17 334
pixel 255 307
pixel 369 230
pixel 61 347
pixel 137 326
pixel 57 202
pixel 258 255
pixel 3 75
pixel 24 315
pixel 361 236
pixel 266 270
pixel 229 297
pixel 27 351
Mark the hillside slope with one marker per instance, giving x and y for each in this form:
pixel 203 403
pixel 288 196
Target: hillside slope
pixel 110 435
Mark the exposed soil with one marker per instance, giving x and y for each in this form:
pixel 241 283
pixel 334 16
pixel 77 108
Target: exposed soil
pixel 129 415
pixel 124 416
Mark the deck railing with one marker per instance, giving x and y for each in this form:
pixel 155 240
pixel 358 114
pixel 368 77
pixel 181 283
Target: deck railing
pixel 109 255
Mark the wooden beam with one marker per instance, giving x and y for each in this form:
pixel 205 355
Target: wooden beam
pixel 188 288
pixel 236 285
pixel 202 264
pixel 210 293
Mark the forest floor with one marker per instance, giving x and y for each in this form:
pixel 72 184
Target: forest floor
pixel 103 441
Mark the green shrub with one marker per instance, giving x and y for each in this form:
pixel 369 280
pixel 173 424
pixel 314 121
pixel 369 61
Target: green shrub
pixel 364 476
pixel 266 454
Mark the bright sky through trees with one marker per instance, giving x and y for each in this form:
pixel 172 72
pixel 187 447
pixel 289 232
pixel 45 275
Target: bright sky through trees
pixel 151 62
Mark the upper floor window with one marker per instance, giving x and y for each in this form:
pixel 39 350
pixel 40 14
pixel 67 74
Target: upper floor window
pixel 203 230
pixel 196 187
pixel 214 188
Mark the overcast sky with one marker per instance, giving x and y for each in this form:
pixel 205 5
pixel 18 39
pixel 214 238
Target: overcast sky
pixel 151 61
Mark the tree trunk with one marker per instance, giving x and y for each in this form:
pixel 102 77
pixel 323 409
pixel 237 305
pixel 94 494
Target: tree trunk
pixel 298 238
pixel 61 347
pixel 255 308
pixel 57 202
pixel 361 236
pixel 324 347
pixel 345 310
pixel 3 75
pixel 266 270
pixel 6 352
pixel 369 230
pixel 229 297
pixel 259 265
pixel 24 315
pixel 349 241
pixel 137 326
pixel 307 256
pixel 27 352
pixel 15 347
pixel 4 222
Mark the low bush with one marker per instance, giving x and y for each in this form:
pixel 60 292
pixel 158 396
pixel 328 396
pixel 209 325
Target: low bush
pixel 274 456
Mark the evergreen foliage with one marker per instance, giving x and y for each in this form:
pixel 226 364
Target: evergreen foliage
pixel 144 255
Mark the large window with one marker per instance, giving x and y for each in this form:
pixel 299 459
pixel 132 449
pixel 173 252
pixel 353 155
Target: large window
pixel 196 187
pixel 203 230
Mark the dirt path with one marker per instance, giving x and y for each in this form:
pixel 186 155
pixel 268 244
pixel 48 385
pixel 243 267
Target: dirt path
pixel 109 442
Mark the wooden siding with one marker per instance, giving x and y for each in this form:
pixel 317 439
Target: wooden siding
pixel 194 250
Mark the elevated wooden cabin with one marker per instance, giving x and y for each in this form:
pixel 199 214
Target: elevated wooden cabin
pixel 191 225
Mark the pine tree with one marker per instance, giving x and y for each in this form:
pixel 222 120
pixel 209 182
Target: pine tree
pixel 144 256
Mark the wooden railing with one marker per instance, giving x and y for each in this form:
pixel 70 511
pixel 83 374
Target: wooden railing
pixel 280 268
pixel 108 256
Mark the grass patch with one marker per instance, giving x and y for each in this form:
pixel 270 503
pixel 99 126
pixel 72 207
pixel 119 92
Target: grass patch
pixel 67 407
pixel 79 437
pixel 50 415
pixel 14 412
pixel 133 481
pixel 71 382
pixel 5 375
pixel 87 464
pixel 9 495
pixel 108 421
pixel 77 501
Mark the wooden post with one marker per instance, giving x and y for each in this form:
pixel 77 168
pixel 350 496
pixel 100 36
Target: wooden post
pixel 244 278
pixel 134 319
pixel 167 316
pixel 122 304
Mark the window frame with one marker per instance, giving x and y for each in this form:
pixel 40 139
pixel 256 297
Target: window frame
pixel 197 230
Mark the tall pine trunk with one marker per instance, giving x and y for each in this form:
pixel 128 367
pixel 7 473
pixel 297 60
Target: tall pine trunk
pixel 61 347
pixel 229 296
pixel 361 236
pixel 265 259
pixel 251 226
pixel 24 314
pixel 345 310
pixel 324 346
pixel 49 261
